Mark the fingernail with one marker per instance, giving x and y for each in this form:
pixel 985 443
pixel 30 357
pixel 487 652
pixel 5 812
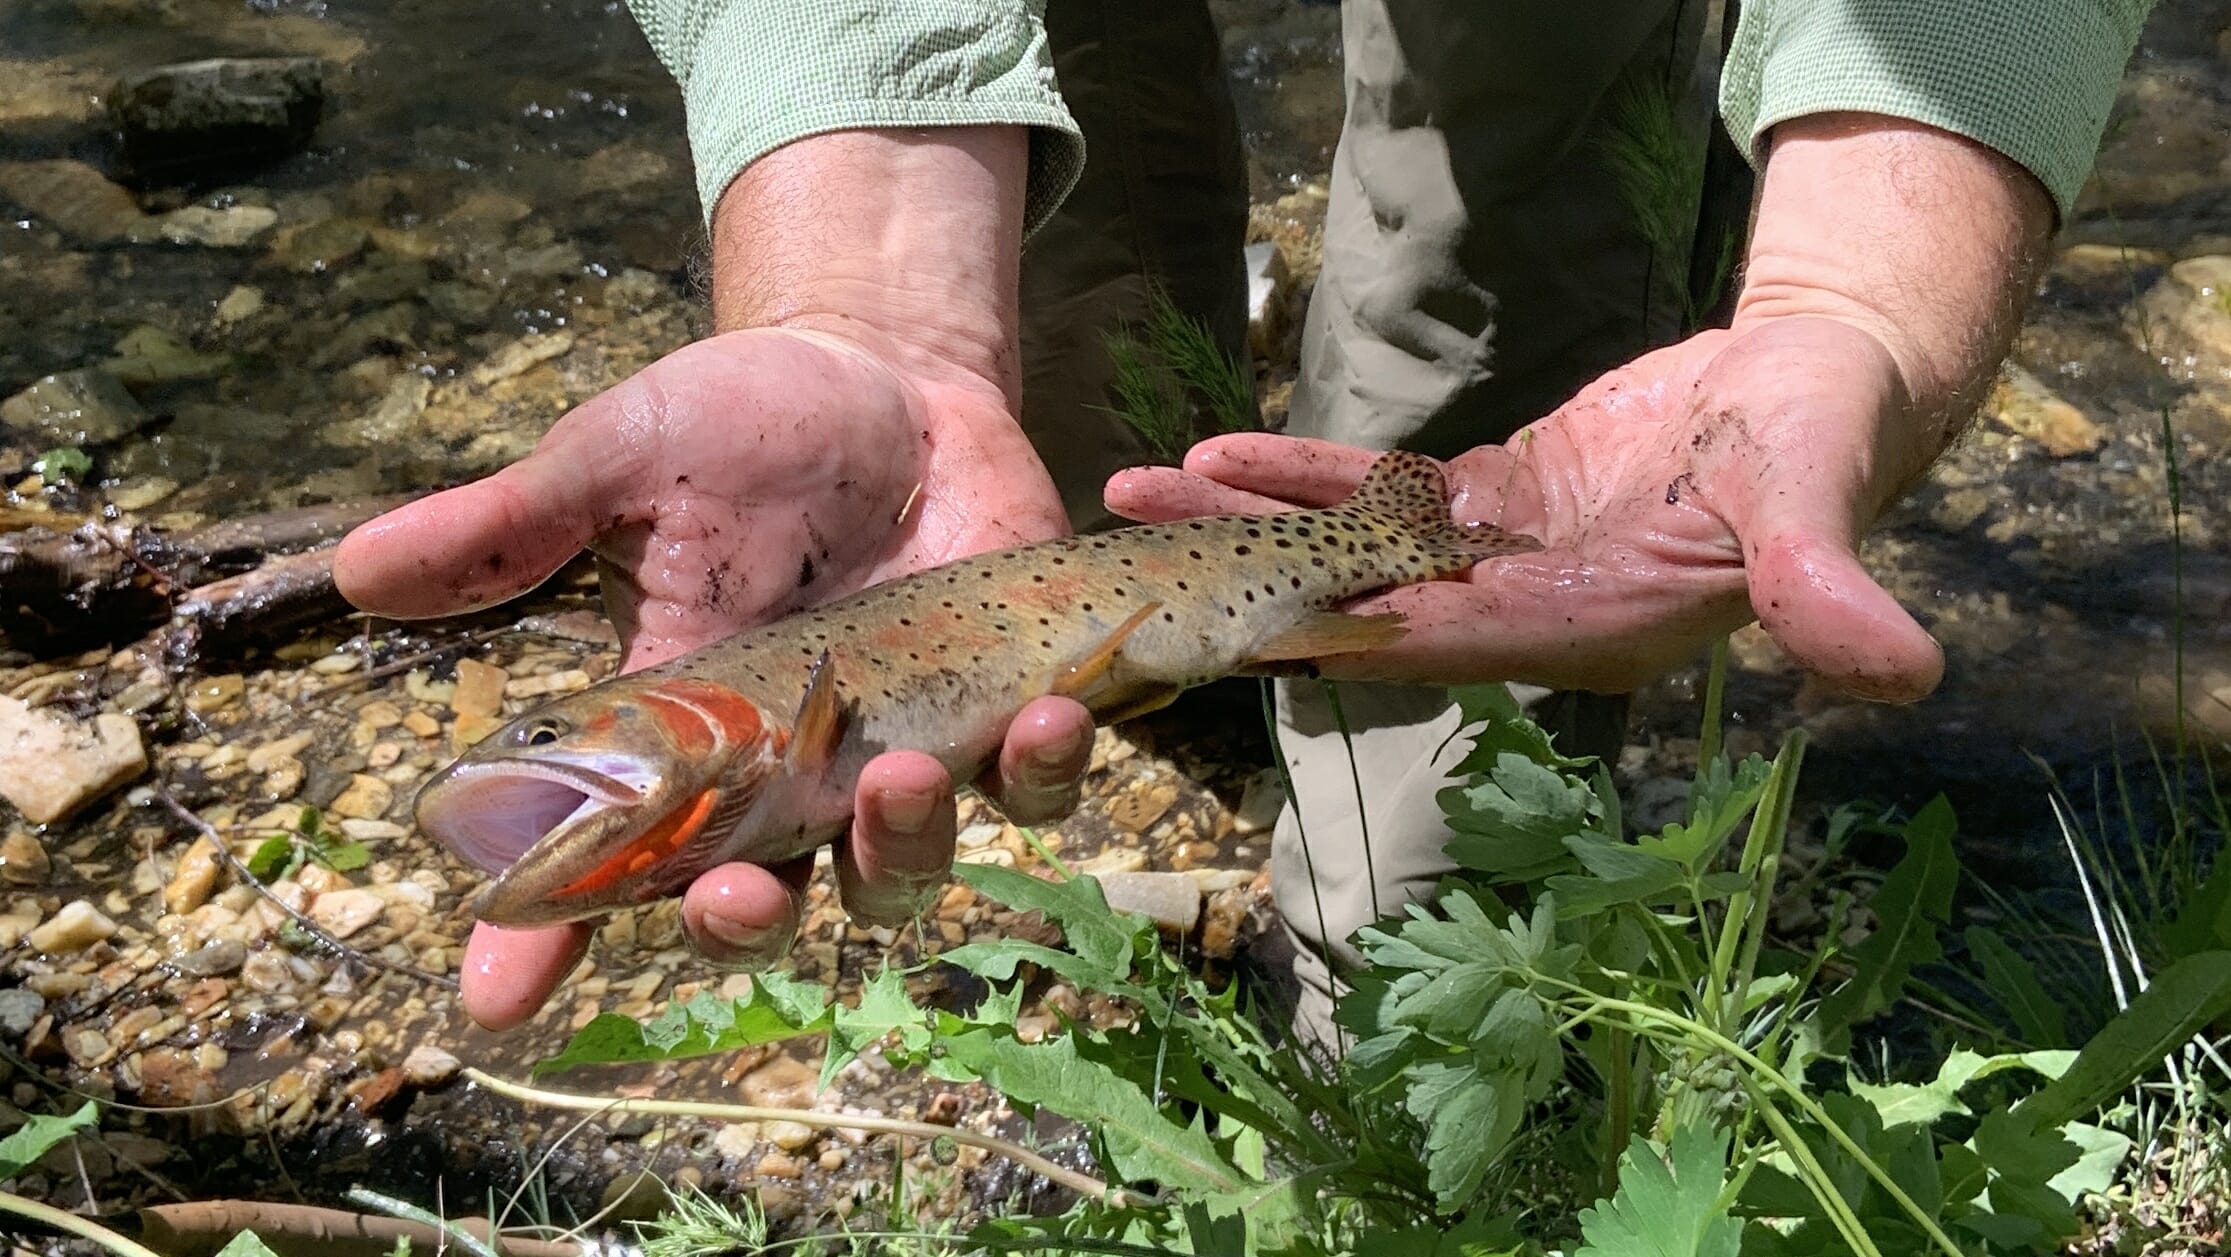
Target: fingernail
pixel 907 811
pixel 1048 767
pixel 756 940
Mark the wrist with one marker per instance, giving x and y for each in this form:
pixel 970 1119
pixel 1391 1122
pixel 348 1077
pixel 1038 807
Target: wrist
pixel 906 241
pixel 1928 242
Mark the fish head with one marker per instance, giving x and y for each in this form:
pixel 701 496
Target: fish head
pixel 611 797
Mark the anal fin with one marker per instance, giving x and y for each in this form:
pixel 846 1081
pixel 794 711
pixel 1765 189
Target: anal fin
pixel 1323 633
pixel 819 725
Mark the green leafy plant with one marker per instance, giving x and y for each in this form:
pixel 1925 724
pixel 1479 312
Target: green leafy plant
pixel 1169 373
pixel 310 841
pixel 64 464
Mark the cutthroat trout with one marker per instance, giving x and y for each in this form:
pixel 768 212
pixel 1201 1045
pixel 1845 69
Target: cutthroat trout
pixel 749 748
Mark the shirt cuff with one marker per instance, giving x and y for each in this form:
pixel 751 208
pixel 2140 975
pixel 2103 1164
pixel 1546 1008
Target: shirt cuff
pixel 2033 79
pixel 755 77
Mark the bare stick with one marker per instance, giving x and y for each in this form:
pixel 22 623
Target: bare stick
pixel 1082 1184
pixel 225 856
pixel 71 1224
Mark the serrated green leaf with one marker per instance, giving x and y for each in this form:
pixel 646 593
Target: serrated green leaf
pixel 1662 1210
pixel 2012 981
pixel 1909 906
pixel 884 1006
pixel 1899 1104
pixel 30 1141
pixel 273 858
pixel 779 1007
pixel 998 959
pixel 2100 1155
pixel 1089 927
pixel 1719 799
pixel 1506 728
pixel 2182 1000
pixel 342 857
pixel 2020 1206
pixel 1469 1119
pixel 246 1244
pixel 1144 1143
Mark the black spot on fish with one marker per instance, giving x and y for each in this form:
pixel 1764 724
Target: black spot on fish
pixel 805 570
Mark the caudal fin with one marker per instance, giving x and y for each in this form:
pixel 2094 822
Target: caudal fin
pixel 1410 491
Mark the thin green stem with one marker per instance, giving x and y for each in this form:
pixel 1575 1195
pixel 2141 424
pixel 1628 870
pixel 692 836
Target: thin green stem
pixel 1762 863
pixel 70 1223
pixel 1355 775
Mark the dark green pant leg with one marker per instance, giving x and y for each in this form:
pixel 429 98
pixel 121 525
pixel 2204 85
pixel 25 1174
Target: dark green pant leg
pixel 1163 199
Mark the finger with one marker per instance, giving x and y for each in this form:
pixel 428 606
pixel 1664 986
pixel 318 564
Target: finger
pixel 901 850
pixel 1548 619
pixel 509 973
pixel 487 542
pixel 1810 592
pixel 1040 773
pixel 1300 470
pixel 1158 495
pixel 745 915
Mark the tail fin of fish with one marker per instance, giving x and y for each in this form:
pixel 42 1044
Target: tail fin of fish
pixel 1411 491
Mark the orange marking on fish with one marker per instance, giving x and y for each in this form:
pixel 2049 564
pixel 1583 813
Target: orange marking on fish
pixel 694 711
pixel 655 844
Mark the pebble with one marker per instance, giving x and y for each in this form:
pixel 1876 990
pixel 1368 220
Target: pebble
pixel 789 1136
pixel 832 1159
pixel 423 725
pixel 76 927
pixel 86 1045
pixel 226 955
pixel 242 303
pixel 1142 805
pixel 344 912
pixel 516 357
pixel 194 878
pixel 23 860
pixel 232 227
pixel 778 1164
pixel 19 1010
pixel 480 689
pixel 2021 403
pixel 1260 802
pixel 74 198
pixel 784 1082
pixel 264 758
pixel 1113 860
pixel 430 1066
pixel 267 971
pixel 1170 900
pixel 87 406
pixel 367 798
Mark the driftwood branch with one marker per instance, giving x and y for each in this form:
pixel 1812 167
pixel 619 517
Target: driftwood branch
pixel 105 583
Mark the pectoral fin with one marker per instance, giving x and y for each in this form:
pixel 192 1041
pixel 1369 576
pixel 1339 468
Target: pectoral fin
pixel 1323 633
pixel 819 725
pixel 1079 679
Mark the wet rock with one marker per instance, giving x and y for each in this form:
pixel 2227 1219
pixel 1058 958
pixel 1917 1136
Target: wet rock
pixel 74 199
pixel 736 1139
pixel 316 247
pixel 76 927
pixel 366 798
pixel 789 1136
pixel 231 227
pixel 172 1078
pixel 2021 403
pixel 149 355
pixel 344 912
pixel 23 859
pixel 430 1066
pixel 480 689
pixel 516 357
pixel 224 956
pixel 51 766
pixel 1260 802
pixel 19 1011
pixel 200 118
pixel 1142 805
pixel 242 303
pixel 1171 900
pixel 82 407
pixel 2188 316
pixel 86 1045
pixel 1268 283
pixel 784 1082
pixel 375 1095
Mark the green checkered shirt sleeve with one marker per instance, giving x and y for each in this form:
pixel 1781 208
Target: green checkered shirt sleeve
pixel 2033 79
pixel 758 74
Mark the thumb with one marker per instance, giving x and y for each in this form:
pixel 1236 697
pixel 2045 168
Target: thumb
pixel 1810 592
pixel 483 543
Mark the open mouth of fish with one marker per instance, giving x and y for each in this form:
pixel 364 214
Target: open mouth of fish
pixel 492 812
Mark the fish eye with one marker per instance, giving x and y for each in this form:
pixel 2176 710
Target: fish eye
pixel 542 732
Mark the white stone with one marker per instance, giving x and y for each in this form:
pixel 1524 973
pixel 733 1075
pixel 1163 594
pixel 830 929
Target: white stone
pixel 429 1066
pixel 50 765
pixel 76 927
pixel 344 912
pixel 1171 900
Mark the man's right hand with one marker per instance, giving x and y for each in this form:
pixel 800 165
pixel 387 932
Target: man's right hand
pixel 856 425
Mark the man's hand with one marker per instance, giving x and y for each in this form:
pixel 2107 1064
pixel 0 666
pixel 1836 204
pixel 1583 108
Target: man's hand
pixel 1730 476
pixel 856 425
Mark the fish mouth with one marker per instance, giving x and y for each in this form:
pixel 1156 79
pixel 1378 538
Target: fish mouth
pixel 492 812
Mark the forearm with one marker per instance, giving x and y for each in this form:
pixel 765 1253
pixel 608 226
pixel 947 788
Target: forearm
pixel 1928 241
pixel 914 237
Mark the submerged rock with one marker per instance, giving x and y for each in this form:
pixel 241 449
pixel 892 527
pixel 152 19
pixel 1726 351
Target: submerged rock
pixel 51 766
pixel 199 118
pixel 87 406
pixel 231 227
pixel 2021 403
pixel 77 926
pixel 74 199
